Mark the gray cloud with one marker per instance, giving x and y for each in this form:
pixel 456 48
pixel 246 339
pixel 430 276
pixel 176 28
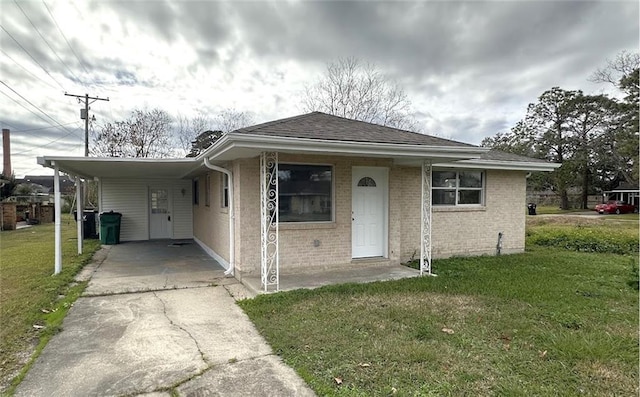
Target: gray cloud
pixel 470 68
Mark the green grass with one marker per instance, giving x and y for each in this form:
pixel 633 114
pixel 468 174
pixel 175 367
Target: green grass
pixel 29 293
pixel 546 322
pixel 604 235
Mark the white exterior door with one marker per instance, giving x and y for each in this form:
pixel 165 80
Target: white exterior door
pixel 369 212
pixel 160 225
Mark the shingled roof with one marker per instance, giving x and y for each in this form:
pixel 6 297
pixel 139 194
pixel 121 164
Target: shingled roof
pixel 504 156
pixel 322 126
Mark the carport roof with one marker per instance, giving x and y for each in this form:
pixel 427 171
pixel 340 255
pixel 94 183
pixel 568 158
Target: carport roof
pixel 115 167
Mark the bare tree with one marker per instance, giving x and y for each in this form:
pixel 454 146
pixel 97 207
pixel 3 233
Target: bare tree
pixel 231 119
pixel 146 133
pixel 624 64
pixel 359 91
pixel 188 129
pixel 204 132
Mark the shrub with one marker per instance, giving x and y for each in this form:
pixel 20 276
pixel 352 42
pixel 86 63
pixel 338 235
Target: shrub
pixel 585 239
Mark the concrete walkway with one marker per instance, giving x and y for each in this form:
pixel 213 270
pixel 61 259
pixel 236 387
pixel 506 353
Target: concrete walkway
pixel 158 318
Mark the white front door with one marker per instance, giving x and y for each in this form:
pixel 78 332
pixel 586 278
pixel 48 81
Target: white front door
pixel 159 213
pixel 368 212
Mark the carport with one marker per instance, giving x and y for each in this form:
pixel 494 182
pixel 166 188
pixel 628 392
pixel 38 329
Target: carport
pixel 154 266
pixel 135 178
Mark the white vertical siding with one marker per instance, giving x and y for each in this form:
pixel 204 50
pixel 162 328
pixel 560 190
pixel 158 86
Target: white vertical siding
pixel 131 198
pixel 182 209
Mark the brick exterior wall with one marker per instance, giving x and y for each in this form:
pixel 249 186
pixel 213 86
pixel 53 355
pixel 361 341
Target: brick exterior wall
pixel 456 231
pixel 468 231
pixel 211 223
pixel 9 216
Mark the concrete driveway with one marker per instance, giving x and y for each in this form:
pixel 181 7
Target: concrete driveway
pixel 156 319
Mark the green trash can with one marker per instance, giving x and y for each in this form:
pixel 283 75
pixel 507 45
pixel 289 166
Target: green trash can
pixel 110 227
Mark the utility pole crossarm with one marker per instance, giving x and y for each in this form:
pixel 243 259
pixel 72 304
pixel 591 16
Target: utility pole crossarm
pixel 86 116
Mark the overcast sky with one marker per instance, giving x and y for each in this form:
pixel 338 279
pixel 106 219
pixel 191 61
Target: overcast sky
pixel 469 68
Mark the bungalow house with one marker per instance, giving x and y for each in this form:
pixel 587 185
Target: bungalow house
pixel 627 192
pixel 319 192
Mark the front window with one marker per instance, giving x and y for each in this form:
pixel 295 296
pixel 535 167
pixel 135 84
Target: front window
pixel 457 187
pixel 305 193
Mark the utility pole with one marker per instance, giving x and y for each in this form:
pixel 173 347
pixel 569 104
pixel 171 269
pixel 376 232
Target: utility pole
pixel 85 116
pixel 81 193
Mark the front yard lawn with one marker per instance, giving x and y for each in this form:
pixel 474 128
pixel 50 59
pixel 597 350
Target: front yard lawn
pixel 32 301
pixel 546 322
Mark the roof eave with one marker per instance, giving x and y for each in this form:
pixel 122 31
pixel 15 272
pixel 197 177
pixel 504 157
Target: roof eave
pixel 73 165
pixel 501 165
pixel 222 149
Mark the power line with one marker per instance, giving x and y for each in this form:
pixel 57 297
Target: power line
pixel 29 102
pixel 41 118
pixel 65 37
pixel 34 60
pixel 27 70
pixel 26 108
pixel 44 144
pixel 42 128
pixel 9 124
pixel 46 42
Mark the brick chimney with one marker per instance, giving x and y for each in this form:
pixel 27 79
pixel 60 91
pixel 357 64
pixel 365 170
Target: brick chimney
pixel 6 152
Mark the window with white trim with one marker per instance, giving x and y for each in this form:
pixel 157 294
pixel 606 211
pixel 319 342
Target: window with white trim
pixel 457 188
pixel 224 194
pixel 207 190
pixel 196 192
pixel 305 193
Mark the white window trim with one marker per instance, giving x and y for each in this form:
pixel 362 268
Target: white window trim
pixel 207 190
pixel 333 194
pixel 224 190
pixel 458 188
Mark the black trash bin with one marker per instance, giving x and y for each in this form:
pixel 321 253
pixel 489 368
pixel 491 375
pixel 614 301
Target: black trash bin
pixel 110 227
pixel 89 223
pixel 532 209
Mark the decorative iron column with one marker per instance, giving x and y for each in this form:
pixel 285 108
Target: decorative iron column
pixel 269 221
pixel 425 225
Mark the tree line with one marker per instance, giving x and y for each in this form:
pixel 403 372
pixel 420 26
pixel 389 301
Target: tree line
pixel 155 133
pixel 595 137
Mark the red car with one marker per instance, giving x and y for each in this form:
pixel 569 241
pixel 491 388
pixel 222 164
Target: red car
pixel 615 207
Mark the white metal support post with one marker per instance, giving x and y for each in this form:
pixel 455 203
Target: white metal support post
pixel 58 222
pixel 79 214
pixel 269 270
pixel 425 224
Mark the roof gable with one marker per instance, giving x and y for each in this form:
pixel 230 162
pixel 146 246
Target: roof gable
pixel 318 125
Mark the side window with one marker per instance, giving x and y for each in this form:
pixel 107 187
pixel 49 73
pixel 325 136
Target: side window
pixel 207 190
pixel 225 191
pixel 196 192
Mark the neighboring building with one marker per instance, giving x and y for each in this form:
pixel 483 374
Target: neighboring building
pixel 627 192
pixel 44 183
pixel 320 192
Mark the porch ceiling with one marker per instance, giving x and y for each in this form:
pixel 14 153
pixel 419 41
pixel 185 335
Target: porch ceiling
pixel 98 167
